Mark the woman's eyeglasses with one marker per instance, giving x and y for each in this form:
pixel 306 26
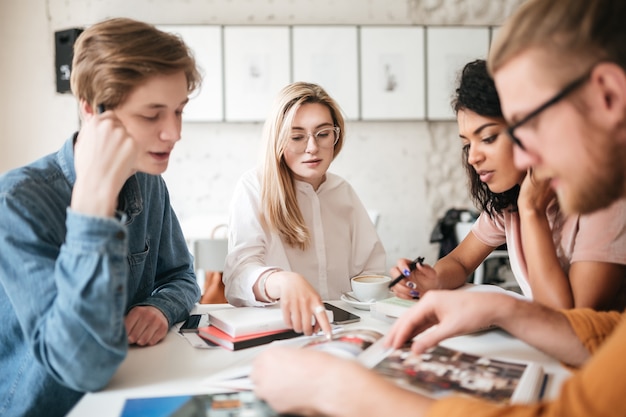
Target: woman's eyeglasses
pixel 324 138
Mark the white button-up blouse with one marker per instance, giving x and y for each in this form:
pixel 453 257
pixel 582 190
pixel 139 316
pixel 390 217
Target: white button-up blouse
pixel 344 242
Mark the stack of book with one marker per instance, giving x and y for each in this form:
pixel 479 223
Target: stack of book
pixel 244 327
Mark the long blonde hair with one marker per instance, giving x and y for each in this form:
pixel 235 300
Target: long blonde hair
pixel 279 205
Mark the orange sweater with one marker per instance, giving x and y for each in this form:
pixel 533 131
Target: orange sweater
pixel 596 389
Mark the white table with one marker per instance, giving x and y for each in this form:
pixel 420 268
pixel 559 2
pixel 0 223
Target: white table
pixel 174 367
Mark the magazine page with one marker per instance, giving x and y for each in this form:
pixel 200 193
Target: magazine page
pixel 347 343
pixel 441 371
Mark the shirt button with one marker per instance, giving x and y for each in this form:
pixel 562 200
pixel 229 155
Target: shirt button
pixel 119 235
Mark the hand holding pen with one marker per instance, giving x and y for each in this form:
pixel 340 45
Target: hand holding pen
pixel 412 267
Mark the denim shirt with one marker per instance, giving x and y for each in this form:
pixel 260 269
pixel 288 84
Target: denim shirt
pixel 68 281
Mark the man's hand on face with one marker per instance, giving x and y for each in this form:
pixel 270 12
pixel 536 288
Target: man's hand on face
pixel 104 158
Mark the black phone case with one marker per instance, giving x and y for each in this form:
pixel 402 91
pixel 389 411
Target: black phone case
pixel 341 316
pixel 191 324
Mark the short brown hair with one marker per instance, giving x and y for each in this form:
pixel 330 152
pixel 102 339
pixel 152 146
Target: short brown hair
pixel 113 57
pixel 575 34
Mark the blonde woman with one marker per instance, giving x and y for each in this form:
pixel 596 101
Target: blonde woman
pixel 298 233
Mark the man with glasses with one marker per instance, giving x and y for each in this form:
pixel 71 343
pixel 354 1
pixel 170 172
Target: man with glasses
pixel 563 93
pixel 560 70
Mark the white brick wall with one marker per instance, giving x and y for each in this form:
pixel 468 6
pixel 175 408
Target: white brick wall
pixel 410 171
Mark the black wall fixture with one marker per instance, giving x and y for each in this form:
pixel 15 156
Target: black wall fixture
pixel 64 51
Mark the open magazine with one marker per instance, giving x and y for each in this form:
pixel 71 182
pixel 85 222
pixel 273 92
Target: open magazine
pixel 347 343
pixel 441 371
pixel 436 373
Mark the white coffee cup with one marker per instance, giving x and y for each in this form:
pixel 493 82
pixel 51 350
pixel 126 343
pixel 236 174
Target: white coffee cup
pixel 369 288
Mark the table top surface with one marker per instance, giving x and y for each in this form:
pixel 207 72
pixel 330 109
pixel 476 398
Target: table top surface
pixel 175 367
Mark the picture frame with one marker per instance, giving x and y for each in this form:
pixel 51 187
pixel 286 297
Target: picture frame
pixel 392 73
pixel 493 31
pixel 327 55
pixel 256 68
pixel 448 49
pixel 205 41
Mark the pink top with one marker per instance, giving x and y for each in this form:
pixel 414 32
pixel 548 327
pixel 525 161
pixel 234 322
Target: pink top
pixel 598 237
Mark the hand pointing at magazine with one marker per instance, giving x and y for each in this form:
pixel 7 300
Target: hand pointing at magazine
pixel 323 384
pixel 320 383
pixel 443 314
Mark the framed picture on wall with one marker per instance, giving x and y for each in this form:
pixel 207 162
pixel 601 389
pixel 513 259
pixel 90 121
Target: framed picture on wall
pixel 392 73
pixel 207 104
pixel 494 32
pixel 256 68
pixel 448 49
pixel 327 55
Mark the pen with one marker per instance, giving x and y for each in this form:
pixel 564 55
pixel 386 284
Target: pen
pixel 412 267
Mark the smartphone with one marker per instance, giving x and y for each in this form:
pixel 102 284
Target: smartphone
pixel 191 324
pixel 341 316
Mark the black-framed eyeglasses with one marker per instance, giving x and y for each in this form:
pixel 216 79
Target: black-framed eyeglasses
pixel 568 89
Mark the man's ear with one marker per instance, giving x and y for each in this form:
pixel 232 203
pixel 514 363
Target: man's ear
pixel 610 80
pixel 86 109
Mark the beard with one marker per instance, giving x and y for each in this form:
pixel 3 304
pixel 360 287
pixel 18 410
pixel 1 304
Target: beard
pixel 598 189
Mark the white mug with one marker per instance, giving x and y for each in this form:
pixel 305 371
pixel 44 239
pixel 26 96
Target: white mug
pixel 368 288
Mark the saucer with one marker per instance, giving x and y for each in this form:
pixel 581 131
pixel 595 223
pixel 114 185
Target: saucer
pixel 356 304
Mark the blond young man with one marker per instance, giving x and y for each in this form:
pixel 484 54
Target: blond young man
pixel 92 257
